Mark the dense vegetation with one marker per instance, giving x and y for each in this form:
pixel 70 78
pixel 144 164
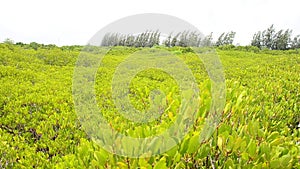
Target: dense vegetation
pixel 39 126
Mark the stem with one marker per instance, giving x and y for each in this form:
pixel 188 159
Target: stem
pixel 212 162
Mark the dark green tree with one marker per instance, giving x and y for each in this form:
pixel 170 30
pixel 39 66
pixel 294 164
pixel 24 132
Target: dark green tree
pixel 34 45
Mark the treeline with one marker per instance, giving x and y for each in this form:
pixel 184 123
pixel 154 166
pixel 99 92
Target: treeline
pixel 36 46
pixel 182 39
pixel 152 38
pixel 145 39
pixel 275 40
pixel 266 39
pixel 187 38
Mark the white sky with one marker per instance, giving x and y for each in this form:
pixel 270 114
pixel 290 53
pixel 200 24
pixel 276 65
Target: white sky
pixel 67 22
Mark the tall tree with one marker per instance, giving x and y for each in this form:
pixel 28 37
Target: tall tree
pixel 174 41
pixel 269 36
pixel 8 41
pixel 207 41
pixel 295 44
pixel 226 39
pixel 167 42
pixel 282 40
pixel 220 40
pixel 257 39
pixel 183 40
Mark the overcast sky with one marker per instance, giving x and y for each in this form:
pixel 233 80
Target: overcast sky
pixel 68 22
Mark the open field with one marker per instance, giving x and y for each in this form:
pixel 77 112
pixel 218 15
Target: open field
pixel 259 128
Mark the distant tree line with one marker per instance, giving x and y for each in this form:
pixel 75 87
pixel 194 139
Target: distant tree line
pixel 187 38
pixel 145 39
pixel 151 38
pixel 280 40
pixel 266 39
pixel 36 46
pixel 269 38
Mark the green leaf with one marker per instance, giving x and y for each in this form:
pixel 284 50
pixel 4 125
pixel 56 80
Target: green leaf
pixel 220 142
pixel 122 164
pixel 285 160
pixel 193 143
pixel 252 148
pixel 184 146
pixel 276 142
pixel 273 136
pixel 265 149
pixel 230 143
pixel 100 157
pixel 275 164
pixel 240 98
pixel 245 156
pixel 204 150
pixel 180 165
pixel 237 144
pixel 161 164
pixel 143 163
pixel 229 163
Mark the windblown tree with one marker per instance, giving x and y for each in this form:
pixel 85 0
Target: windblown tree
pixel 194 39
pixel 152 38
pixel 295 44
pixel 122 40
pixel 129 40
pixel 282 40
pixel 8 41
pixel 137 42
pixel 257 39
pixel 144 39
pixel 226 39
pixel 185 39
pixel 207 41
pixel 270 39
pixel 111 39
pixel 269 36
pixel 167 42
pixel 174 41
pixel 220 40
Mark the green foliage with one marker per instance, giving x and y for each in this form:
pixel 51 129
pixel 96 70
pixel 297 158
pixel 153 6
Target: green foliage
pixel 39 127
